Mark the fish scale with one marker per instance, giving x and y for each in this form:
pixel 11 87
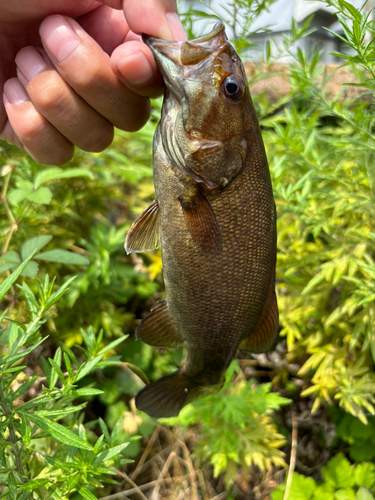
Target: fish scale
pixel 216 218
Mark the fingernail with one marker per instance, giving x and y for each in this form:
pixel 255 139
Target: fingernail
pixel 14 92
pixel 135 68
pixel 175 26
pixel 30 63
pixel 59 37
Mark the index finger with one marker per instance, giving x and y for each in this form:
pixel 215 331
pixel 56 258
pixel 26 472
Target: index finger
pixel 154 17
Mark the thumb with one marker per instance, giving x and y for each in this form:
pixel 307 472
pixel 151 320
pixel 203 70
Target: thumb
pixel 157 18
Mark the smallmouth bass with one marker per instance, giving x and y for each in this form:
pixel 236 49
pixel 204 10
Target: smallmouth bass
pixel 214 217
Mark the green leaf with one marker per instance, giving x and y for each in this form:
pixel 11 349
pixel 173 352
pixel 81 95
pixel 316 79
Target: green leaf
pixel 31 269
pixel 12 485
pixel 63 257
pixel 25 429
pixel 113 344
pixel 59 432
pixel 104 429
pixel 61 412
pixel 12 257
pixel 364 474
pixel 8 282
pixel 6 266
pixel 345 494
pixel 36 243
pixel 87 367
pixel 54 173
pixel 41 196
pixel 110 453
pixel 16 357
pixel 302 488
pixel 86 391
pixel 57 369
pixel 86 493
pixel 70 484
pixel 12 370
pixel 364 494
pixel 17 195
pixel 339 472
pixel 24 387
pixel 55 372
pixel 34 484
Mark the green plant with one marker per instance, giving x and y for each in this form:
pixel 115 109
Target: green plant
pixel 342 481
pixel 37 453
pixel 359 436
pixel 235 426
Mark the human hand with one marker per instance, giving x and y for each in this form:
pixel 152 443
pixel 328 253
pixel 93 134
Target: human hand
pixel 70 70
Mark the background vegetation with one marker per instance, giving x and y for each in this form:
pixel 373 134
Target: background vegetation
pixel 70 365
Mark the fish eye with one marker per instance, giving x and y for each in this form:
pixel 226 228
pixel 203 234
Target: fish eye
pixel 233 88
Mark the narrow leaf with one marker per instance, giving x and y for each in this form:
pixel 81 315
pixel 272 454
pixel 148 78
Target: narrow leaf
pixel 25 429
pixel 8 282
pixel 59 432
pixel 86 493
pixel 108 454
pixel 87 367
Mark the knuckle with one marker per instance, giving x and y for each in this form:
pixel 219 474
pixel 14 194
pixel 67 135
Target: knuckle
pixel 49 95
pixel 32 127
pixel 92 79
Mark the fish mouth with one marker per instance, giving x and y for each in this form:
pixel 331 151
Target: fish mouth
pixel 185 53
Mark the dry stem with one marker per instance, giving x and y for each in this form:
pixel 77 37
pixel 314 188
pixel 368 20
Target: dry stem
pixel 293 456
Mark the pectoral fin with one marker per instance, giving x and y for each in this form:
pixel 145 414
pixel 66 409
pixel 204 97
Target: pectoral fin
pixel 158 328
pixel 144 232
pixel 201 221
pixel 263 338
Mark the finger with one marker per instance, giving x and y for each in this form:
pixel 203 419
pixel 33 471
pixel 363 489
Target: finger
pixel 40 139
pixel 154 17
pixel 106 26
pixel 87 69
pixel 115 4
pixel 135 66
pixel 9 135
pixel 60 105
pixel 32 11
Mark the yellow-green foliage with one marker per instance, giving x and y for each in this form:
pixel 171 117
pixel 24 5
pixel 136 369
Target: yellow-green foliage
pixel 235 426
pixel 321 152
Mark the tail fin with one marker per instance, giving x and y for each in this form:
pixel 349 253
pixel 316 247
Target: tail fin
pixel 166 397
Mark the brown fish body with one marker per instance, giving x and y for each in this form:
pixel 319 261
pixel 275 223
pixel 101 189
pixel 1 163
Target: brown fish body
pixel 216 221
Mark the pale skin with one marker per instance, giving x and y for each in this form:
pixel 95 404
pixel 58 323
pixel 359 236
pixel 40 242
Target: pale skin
pixel 72 70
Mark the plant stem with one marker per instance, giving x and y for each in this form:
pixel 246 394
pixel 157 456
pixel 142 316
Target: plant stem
pixel 13 223
pixel 12 436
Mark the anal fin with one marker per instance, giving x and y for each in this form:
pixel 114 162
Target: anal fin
pixel 263 338
pixel 201 221
pixel 144 232
pixel 158 328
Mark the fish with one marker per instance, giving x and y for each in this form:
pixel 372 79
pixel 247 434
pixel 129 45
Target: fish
pixel 214 217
